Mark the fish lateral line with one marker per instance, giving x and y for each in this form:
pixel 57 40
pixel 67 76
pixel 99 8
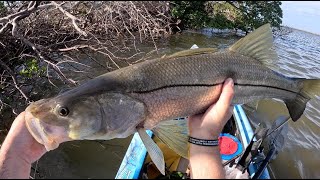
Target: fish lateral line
pixel 210 85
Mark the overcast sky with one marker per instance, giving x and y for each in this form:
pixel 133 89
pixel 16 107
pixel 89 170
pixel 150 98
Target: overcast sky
pixel 304 15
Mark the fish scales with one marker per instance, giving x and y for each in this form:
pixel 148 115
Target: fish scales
pixel 203 72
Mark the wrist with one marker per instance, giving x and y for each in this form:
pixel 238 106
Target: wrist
pixel 195 149
pixel 208 135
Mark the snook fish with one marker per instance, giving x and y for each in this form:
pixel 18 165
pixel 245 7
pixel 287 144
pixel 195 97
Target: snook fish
pixel 140 96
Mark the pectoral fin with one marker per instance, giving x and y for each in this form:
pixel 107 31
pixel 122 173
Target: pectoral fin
pixel 153 150
pixel 174 133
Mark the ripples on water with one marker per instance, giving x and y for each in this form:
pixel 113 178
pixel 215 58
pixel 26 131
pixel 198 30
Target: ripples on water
pixel 299 56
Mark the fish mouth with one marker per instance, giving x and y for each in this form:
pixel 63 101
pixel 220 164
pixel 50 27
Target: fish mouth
pixel 48 135
pixel 38 108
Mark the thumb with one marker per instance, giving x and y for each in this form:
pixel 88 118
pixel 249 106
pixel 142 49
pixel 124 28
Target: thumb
pixel 226 96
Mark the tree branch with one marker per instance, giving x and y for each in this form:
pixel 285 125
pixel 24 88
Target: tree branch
pixel 73 18
pixel 14 79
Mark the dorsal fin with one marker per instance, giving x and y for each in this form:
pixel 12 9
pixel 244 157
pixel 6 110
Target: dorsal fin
pixel 191 52
pixel 258 45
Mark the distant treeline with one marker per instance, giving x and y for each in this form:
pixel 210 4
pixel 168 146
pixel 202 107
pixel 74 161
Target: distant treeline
pixel 242 15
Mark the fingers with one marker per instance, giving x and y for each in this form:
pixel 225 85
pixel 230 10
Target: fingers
pixel 225 99
pixel 18 120
pixel 222 106
pixel 214 119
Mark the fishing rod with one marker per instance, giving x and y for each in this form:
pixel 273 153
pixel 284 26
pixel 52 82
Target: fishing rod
pixel 272 151
pixel 254 147
pixel 284 122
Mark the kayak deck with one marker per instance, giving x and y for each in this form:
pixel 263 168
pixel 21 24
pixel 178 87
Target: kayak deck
pixel 136 162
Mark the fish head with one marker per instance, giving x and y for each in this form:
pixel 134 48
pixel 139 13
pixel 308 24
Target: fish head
pixel 56 120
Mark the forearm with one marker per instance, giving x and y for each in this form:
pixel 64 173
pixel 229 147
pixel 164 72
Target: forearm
pixel 11 165
pixel 205 162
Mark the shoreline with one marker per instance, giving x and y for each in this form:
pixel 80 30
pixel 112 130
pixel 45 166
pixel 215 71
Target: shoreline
pixel 302 30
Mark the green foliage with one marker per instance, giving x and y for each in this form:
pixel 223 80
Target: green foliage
pixel 221 15
pixel 3 9
pixel 1 5
pixel 244 15
pixel 32 68
pixel 191 13
pixel 257 13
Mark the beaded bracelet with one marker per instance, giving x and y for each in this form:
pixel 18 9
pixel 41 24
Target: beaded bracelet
pixel 203 142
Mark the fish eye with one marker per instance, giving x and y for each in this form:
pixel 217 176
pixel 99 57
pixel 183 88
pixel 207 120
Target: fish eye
pixel 63 111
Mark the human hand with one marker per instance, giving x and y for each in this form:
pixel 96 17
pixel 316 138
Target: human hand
pixel 210 124
pixel 20 143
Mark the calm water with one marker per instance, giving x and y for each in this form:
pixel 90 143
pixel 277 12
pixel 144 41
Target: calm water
pixel 299 54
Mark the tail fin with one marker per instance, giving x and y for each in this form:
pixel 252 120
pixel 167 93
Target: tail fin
pixel 310 89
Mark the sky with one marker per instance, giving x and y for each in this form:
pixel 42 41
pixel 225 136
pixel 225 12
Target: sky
pixel 304 15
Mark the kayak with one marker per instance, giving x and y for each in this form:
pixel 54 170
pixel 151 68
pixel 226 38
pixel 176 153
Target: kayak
pixel 235 141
